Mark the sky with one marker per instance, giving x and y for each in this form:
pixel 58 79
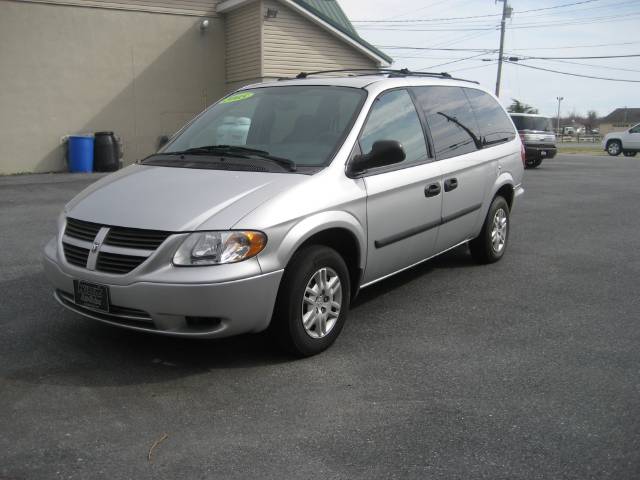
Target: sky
pixel 588 28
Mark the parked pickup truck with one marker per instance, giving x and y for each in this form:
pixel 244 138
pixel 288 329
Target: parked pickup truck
pixel 626 142
pixel 537 136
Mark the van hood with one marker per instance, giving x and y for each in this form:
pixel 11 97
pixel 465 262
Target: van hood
pixel 177 199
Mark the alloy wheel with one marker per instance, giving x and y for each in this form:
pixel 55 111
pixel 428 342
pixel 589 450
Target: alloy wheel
pixel 613 148
pixel 321 303
pixel 499 231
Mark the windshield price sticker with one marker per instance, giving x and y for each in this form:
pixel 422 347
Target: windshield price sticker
pixel 237 97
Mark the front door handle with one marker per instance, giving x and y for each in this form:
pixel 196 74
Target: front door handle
pixel 432 190
pixel 450 184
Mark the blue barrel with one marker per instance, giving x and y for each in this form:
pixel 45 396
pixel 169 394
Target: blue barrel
pixel 80 153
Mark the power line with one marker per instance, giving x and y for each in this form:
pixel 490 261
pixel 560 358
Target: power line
pixel 580 58
pixel 398 47
pixel 401 29
pixel 473 68
pixel 427 19
pixel 421 8
pixel 453 61
pixel 441 49
pixel 453 41
pixel 579 46
pixel 473 16
pixel 632 16
pixel 593 65
pixel 558 6
pixel 572 74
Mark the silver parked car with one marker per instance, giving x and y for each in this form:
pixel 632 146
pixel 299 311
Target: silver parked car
pixel 537 136
pixel 277 204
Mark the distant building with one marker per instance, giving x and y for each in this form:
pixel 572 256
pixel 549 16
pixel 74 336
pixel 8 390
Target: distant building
pixel 619 119
pixel 143 68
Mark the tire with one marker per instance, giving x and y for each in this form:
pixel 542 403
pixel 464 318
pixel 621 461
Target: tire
pixel 533 163
pixel 614 148
pixel 486 248
pixel 629 154
pixel 298 299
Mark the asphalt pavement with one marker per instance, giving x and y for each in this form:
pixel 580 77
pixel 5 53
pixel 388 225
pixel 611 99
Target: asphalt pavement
pixel 525 369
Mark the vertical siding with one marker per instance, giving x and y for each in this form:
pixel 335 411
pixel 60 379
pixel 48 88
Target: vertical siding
pixel 243 40
pixel 293 44
pixel 185 7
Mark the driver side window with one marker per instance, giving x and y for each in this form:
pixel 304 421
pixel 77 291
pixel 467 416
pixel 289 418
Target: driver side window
pixel 635 129
pixel 393 117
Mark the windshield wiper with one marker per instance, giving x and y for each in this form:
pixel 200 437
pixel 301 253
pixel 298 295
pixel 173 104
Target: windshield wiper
pixel 238 151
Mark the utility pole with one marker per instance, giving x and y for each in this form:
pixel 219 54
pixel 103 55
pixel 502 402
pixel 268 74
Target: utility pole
pixel 558 119
pixel 506 13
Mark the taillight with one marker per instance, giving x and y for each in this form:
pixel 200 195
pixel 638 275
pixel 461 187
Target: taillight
pixel 523 154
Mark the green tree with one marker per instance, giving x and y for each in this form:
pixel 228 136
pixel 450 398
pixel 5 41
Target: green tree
pixel 520 107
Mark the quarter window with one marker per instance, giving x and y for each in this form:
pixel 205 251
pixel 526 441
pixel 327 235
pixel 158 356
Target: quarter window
pixel 394 117
pixel 494 124
pixel 453 127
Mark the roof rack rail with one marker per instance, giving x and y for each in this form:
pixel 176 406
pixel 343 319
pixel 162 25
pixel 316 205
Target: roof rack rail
pixel 404 72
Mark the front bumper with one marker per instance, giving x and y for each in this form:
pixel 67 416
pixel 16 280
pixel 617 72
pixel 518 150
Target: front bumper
pixel 206 310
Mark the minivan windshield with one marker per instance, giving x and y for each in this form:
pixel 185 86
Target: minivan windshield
pixel 539 124
pixel 303 125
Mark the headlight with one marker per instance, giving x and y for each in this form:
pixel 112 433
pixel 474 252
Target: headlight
pixel 216 248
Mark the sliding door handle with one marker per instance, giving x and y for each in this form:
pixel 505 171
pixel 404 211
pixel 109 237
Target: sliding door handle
pixel 450 184
pixel 432 190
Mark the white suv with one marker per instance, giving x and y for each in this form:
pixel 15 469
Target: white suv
pixel 626 142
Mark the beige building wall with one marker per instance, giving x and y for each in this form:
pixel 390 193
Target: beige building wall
pixel 186 7
pixel 243 40
pixel 614 127
pixel 70 69
pixel 292 43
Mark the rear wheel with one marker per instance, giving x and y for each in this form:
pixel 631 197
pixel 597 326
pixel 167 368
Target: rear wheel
pixel 491 244
pixel 614 147
pixel 629 154
pixel 313 301
pixel 533 163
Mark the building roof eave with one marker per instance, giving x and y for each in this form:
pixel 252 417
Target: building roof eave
pixel 326 23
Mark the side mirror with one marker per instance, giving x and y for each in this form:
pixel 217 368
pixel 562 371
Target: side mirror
pixel 163 140
pixel 383 153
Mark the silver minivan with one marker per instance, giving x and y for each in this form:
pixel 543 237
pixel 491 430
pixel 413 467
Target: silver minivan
pixel 276 205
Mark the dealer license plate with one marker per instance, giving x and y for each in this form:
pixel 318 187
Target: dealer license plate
pixel 91 295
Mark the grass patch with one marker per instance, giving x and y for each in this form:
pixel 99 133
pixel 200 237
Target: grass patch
pixel 572 149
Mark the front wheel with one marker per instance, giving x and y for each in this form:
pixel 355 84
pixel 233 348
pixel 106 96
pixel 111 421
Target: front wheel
pixel 614 147
pixel 313 301
pixel 490 245
pixel 630 154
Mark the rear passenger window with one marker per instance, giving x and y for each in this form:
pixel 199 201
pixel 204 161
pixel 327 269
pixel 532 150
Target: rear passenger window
pixel 494 124
pixel 453 126
pixel 394 117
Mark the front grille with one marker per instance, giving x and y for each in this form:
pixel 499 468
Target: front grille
pixel 115 263
pixel 79 237
pixel 82 230
pixel 135 238
pixel 75 255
